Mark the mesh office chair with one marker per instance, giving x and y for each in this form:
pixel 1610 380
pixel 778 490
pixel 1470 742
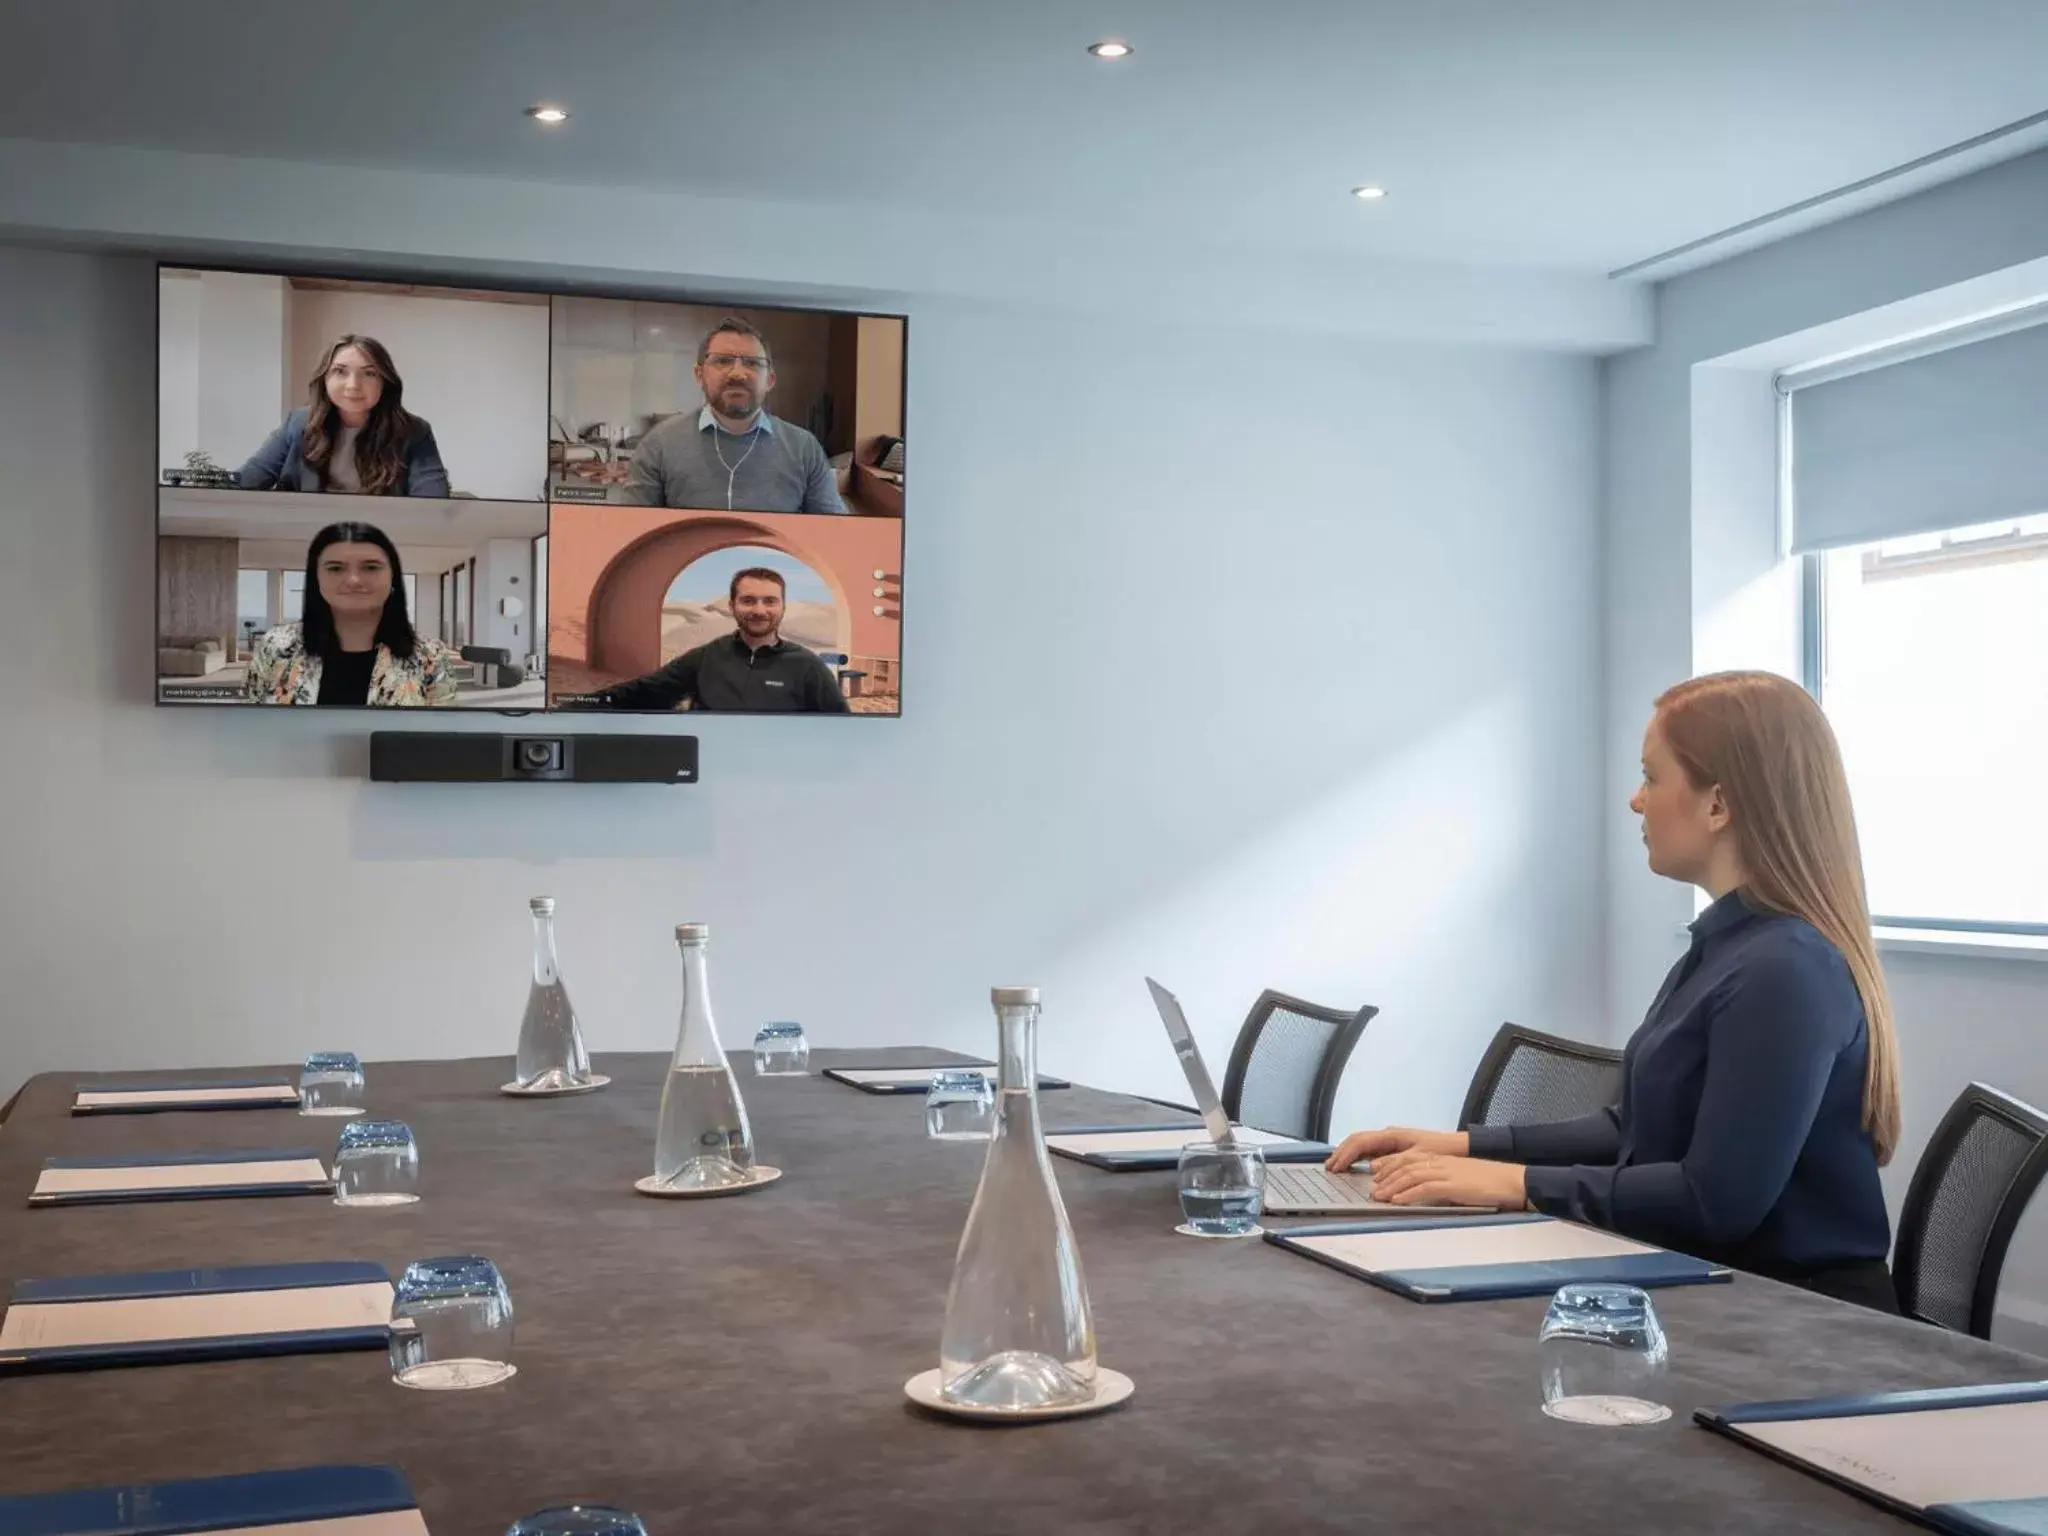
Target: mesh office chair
pixel 1285 1066
pixel 1971 1187
pixel 1529 1078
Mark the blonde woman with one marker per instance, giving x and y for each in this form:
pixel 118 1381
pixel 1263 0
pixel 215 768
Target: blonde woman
pixel 1761 1094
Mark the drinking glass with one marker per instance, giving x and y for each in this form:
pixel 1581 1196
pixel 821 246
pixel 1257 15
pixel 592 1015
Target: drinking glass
pixel 376 1163
pixel 1604 1356
pixel 959 1106
pixel 780 1050
pixel 579 1520
pixel 451 1325
pixel 331 1083
pixel 1222 1189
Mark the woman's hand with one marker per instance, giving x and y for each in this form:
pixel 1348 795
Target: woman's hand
pixel 1420 1177
pixel 1362 1146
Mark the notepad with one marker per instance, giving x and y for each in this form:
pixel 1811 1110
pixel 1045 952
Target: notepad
pixel 1130 1148
pixel 1466 1258
pixel 195 1315
pixel 916 1079
pixel 180 1176
pixel 148 1098
pixel 302 1501
pixel 1965 1459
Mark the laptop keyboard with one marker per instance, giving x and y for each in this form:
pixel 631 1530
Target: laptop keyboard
pixel 1305 1184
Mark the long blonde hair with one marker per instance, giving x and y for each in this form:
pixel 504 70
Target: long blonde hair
pixel 1764 741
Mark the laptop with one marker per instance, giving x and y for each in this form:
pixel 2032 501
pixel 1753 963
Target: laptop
pixel 1292 1189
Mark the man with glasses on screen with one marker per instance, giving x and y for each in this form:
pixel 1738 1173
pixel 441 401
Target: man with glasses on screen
pixel 753 669
pixel 732 455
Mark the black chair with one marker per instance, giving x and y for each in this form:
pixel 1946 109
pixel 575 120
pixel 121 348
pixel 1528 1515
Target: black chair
pixel 1285 1067
pixel 1971 1187
pixel 1529 1078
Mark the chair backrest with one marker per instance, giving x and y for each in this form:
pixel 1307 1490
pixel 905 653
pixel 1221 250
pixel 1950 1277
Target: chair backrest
pixel 1971 1187
pixel 1285 1067
pixel 1529 1078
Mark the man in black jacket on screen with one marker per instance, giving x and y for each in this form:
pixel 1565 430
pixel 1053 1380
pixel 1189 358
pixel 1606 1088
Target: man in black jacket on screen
pixel 753 669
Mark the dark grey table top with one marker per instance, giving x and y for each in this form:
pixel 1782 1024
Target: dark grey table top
pixel 737 1365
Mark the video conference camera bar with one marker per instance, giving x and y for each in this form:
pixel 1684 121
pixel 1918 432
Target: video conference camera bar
pixel 469 757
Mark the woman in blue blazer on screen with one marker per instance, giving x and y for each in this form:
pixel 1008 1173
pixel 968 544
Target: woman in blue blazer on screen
pixel 353 434
pixel 1761 1095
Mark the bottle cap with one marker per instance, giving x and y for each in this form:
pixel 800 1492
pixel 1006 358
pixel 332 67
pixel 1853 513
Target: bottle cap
pixel 542 906
pixel 1014 997
pixel 692 933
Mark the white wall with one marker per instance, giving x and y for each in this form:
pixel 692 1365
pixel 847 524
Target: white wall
pixel 504 568
pixel 224 351
pixel 1959 1018
pixel 177 379
pixel 466 227
pixel 477 371
pixel 1309 706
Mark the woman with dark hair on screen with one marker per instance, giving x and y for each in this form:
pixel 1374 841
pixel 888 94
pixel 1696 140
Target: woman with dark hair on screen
pixel 353 434
pixel 1761 1095
pixel 355 643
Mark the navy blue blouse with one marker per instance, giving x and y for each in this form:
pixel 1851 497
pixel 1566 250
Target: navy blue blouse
pixel 1739 1136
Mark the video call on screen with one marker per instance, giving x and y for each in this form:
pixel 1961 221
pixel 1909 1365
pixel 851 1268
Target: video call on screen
pixel 395 495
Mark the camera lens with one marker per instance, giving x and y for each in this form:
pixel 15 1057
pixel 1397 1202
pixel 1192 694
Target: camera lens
pixel 537 754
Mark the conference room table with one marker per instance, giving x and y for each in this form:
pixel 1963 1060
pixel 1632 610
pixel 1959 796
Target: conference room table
pixel 737 1365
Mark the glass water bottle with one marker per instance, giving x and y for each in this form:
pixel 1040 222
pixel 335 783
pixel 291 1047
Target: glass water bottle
pixel 551 1051
pixel 704 1141
pixel 1018 1331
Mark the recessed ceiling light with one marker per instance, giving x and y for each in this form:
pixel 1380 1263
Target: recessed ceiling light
pixel 547 113
pixel 1110 48
pixel 1368 194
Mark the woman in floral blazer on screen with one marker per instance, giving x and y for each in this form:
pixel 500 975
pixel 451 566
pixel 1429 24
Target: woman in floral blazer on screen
pixel 355 644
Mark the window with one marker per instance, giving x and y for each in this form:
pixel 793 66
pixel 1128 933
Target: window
pixel 412 595
pixel 1930 655
pixel 461 605
pixel 252 605
pixel 291 597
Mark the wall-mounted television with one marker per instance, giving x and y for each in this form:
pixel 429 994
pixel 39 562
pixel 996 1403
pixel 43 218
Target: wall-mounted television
pixel 394 494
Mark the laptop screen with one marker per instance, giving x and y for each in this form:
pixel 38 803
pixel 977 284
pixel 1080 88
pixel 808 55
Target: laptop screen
pixel 1207 1100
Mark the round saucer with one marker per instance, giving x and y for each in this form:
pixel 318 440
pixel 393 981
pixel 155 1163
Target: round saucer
pixel 1187 1231
pixel 1111 1388
pixel 457 1375
pixel 333 1111
pixel 761 1174
pixel 597 1081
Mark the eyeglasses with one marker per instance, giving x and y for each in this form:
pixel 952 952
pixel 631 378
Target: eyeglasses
pixel 732 362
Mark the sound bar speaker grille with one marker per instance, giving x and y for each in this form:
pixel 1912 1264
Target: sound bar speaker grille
pixel 475 757
pixel 634 759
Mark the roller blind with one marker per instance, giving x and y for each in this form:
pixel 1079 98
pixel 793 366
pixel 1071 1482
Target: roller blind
pixel 1943 440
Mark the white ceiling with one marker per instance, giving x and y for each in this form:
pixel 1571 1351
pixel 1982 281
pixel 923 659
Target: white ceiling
pixel 1576 135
